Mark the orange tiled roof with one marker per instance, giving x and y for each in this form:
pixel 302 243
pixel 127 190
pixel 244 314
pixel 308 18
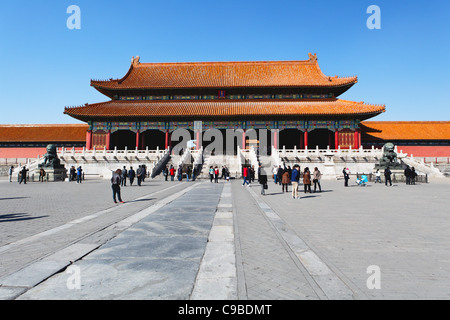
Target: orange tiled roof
pixel 406 130
pixel 224 75
pixel 219 108
pixel 43 133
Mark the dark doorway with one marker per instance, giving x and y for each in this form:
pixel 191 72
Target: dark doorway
pixel 289 138
pixel 123 138
pixel 321 138
pixel 153 139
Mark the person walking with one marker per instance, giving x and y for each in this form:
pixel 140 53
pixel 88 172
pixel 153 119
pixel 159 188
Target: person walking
pixel 180 173
pixel 211 173
pixel 413 176
pixel 115 185
pixel 307 180
pixel 316 179
pixel 139 174
pixel 41 175
pixel 144 173
pixel 227 174
pixel 11 170
pixel 262 177
pixel 279 174
pixel 252 174
pixel 172 172
pixel 295 178
pixel 245 175
pixel 123 182
pixel 166 173
pixel 131 175
pixel 285 180
pixel 216 174
pixel 387 176
pixel 79 174
pixel 23 175
pixel 378 176
pixel 346 173
pixel 407 173
pixel 224 173
pixel 274 173
pixel 72 173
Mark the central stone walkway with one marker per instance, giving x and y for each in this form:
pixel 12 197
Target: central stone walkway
pixel 156 258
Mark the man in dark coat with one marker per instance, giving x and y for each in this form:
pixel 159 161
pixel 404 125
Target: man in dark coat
pixel 139 175
pixel 408 175
pixel 279 175
pixel 262 177
pixel 115 185
pixel 387 176
pixel 124 177
pixel 131 175
pixel 23 175
pixel 166 173
pixel 346 176
pixel 295 178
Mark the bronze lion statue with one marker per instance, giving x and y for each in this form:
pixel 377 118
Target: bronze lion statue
pixel 51 157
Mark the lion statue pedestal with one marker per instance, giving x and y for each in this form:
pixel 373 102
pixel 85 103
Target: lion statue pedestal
pixel 389 159
pixel 54 170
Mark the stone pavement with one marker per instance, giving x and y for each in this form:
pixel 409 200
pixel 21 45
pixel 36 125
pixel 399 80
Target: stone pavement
pixel 201 240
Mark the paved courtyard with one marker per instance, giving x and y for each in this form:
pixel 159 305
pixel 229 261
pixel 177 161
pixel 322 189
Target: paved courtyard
pixel 201 240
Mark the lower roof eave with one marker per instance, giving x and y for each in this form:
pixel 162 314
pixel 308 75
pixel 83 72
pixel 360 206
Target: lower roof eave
pixel 292 117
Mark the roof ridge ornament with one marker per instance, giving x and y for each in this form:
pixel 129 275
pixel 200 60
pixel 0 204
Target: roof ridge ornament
pixel 135 61
pixel 312 57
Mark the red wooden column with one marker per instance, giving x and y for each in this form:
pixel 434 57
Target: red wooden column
pixel 197 142
pixel 89 140
pixel 167 139
pixel 275 138
pixel 243 139
pixel 336 139
pixel 305 139
pixel 357 139
pixel 137 139
pixel 108 140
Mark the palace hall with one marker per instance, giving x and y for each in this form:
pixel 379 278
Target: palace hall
pixel 294 101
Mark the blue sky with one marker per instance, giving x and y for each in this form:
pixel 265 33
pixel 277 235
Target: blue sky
pixel 44 66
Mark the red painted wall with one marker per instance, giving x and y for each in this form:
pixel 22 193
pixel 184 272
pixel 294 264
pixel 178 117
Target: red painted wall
pixel 22 153
pixel 424 151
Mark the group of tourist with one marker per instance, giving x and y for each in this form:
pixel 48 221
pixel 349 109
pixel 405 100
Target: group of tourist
pixel 119 178
pixel 286 176
pixel 410 174
pixel 76 174
pixel 214 174
pixel 139 174
pixel 190 173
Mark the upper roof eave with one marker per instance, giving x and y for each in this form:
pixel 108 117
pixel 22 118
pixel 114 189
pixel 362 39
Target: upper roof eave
pixel 224 75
